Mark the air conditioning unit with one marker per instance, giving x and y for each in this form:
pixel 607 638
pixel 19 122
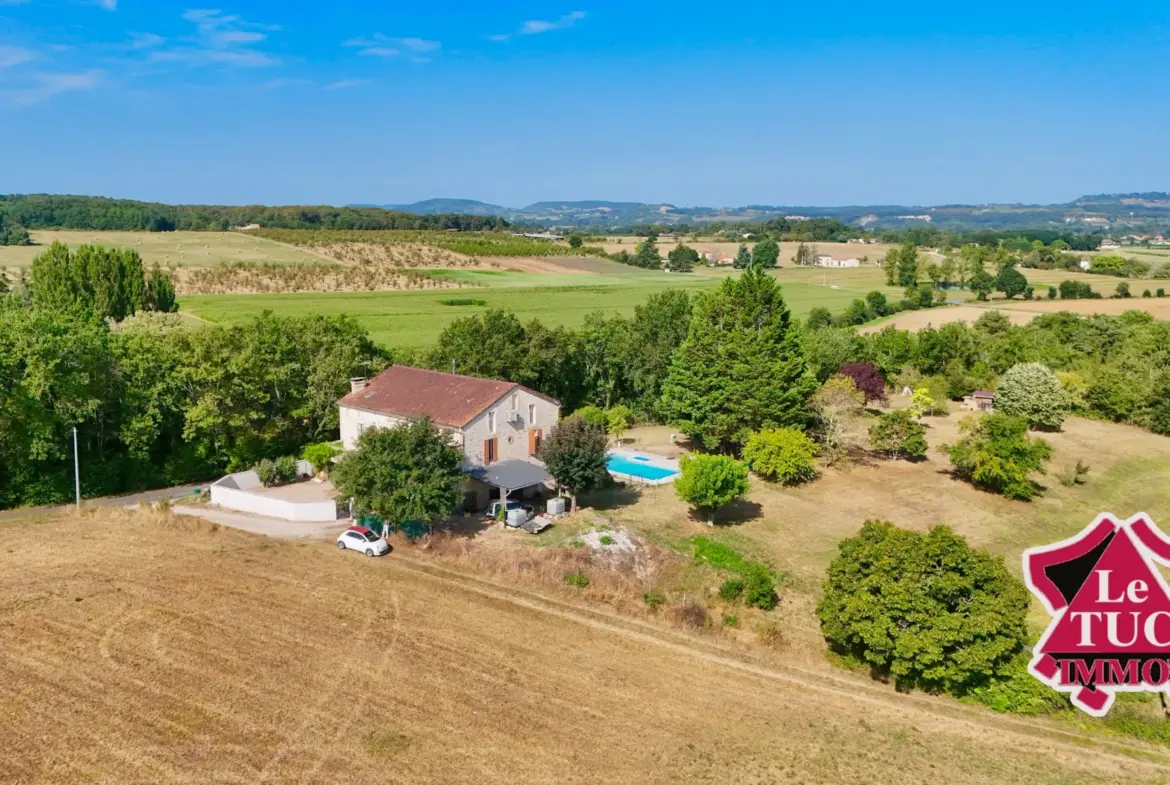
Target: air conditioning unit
pixel 517 419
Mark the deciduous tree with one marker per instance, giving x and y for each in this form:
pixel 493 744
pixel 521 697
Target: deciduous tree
pixel 1011 282
pixel 766 253
pixel 926 609
pixel 707 482
pixel 406 473
pixel 1032 391
pixel 996 454
pixel 574 452
pixel 897 434
pixel 783 455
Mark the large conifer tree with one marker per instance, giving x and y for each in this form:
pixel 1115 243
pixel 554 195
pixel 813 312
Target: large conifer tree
pixel 741 368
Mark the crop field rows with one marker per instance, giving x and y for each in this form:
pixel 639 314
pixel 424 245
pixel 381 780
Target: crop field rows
pixel 161 649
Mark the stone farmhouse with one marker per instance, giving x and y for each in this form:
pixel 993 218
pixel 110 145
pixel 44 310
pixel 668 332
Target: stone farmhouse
pixel 498 425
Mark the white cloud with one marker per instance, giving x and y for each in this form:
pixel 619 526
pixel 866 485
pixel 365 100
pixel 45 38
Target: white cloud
pixel 534 26
pixel 146 40
pixel 229 37
pixel 342 84
pixel 15 55
pixel 46 86
pixel 243 58
pixel 418 44
pixel 220 39
pixel 379 45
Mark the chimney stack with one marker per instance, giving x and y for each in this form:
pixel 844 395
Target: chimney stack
pixel 358 383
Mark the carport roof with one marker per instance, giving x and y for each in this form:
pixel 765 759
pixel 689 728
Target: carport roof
pixel 511 474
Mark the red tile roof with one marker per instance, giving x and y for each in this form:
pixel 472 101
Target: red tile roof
pixel 447 398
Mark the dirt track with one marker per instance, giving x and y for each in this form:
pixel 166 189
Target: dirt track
pixel 167 650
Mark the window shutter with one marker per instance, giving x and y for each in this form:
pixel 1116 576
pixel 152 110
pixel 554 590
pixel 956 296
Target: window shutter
pixel 487 451
pixel 534 437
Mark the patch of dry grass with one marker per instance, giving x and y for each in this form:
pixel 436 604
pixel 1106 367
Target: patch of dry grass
pixel 159 649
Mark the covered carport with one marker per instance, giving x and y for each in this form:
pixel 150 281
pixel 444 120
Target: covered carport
pixel 511 476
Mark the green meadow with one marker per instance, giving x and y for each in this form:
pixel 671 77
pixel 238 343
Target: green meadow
pixel 415 318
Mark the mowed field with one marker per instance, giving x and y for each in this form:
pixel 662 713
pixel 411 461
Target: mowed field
pixel 168 249
pixel 157 649
pixel 415 319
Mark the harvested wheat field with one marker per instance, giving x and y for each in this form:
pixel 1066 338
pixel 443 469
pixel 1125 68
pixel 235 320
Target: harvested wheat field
pixel 161 650
pixel 168 249
pixel 937 317
pixel 1021 311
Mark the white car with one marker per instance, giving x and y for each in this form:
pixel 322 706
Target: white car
pixel 359 538
pixel 494 508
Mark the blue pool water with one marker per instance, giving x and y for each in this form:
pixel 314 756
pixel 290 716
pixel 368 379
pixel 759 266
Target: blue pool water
pixel 637 467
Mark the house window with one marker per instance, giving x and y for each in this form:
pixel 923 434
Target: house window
pixel 531 413
pixel 515 402
pixel 491 422
pixel 490 451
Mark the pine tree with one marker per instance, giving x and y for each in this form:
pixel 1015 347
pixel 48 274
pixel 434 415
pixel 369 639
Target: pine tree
pixel 743 259
pixel 741 368
pixel 647 255
pixel 160 292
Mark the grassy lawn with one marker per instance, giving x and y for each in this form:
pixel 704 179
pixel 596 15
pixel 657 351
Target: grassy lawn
pixel 796 529
pixel 415 318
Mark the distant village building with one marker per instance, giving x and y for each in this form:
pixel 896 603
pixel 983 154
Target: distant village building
pixel 1086 263
pixel 1109 244
pixel 1160 240
pixel 823 260
pixel 540 235
pixel 980 401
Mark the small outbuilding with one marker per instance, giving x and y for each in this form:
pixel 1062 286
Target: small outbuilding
pixel 980 401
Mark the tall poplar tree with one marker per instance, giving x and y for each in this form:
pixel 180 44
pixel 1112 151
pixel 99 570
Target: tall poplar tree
pixel 741 368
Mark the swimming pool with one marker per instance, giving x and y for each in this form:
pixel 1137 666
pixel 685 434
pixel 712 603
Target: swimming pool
pixel 639 467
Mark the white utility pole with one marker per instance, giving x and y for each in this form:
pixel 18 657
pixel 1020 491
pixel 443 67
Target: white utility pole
pixel 76 470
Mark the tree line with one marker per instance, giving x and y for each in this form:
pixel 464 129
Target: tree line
pixel 45 211
pixel 157 403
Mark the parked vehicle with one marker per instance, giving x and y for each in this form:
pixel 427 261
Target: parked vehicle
pixel 359 538
pixel 494 508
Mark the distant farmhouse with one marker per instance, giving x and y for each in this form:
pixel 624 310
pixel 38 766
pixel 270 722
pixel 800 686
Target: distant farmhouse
pixel 1109 244
pixel 824 260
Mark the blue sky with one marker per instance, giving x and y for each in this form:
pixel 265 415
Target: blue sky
pixel 822 103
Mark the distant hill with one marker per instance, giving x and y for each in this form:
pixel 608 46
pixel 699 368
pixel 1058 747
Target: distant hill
pixel 444 206
pixel 1101 212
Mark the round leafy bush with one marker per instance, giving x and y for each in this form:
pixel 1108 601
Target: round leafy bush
pixel 925 609
pixel 707 482
pixel 655 599
pixel 898 435
pixel 578 579
pixel 759 590
pixel 731 589
pixel 996 454
pixel 1032 391
pixel 784 455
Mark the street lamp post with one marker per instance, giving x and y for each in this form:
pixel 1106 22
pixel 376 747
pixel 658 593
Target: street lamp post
pixel 76 471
